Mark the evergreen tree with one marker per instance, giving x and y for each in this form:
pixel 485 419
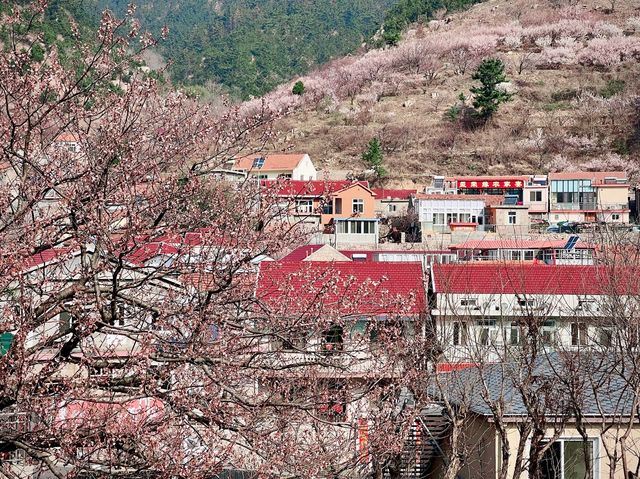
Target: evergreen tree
pixel 487 96
pixel 298 88
pixel 373 158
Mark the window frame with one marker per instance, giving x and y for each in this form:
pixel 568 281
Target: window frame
pixel 357 205
pixel 562 441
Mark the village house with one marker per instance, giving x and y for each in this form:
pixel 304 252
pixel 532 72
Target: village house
pixel 607 444
pixel 481 185
pixel 480 308
pixel 350 215
pixel 345 336
pixel 590 197
pixel 311 201
pixel 442 213
pixel 296 166
pixel 392 202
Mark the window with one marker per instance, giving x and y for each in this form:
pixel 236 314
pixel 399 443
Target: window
pixel 392 208
pixel 334 406
pixel 438 218
pixel 526 303
pixel 292 342
pixel 549 333
pixel 511 217
pixel 285 175
pixel 327 209
pixel 615 217
pixel 586 305
pixel 579 333
pixel 528 255
pixel 605 337
pixel 338 207
pixel 333 339
pixel 304 206
pixel 460 333
pixel 535 196
pixel 263 177
pixel 516 255
pixel 568 459
pixel 120 315
pixel 486 331
pixel 65 321
pixel 469 302
pixel 514 334
pixel 358 205
pixel 258 162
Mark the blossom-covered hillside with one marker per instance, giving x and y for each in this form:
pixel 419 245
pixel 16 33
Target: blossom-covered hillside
pixel 574 69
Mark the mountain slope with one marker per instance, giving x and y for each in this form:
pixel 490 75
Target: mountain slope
pixel 575 71
pixel 251 46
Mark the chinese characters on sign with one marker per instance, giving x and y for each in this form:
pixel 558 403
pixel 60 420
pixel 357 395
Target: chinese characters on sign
pixel 479 183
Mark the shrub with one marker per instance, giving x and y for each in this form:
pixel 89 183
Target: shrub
pixel 298 88
pixel 613 87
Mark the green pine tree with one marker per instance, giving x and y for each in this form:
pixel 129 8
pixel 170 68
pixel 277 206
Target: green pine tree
pixel 298 88
pixel 373 158
pixel 488 97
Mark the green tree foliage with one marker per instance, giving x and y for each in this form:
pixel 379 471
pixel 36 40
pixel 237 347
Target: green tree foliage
pixel 252 46
pixel 298 88
pixel 373 158
pixel 488 97
pixel 405 12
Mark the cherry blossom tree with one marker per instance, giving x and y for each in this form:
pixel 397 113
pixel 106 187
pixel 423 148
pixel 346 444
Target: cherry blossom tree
pixel 134 342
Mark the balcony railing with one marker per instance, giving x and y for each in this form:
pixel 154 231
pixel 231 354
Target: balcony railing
pixel 589 205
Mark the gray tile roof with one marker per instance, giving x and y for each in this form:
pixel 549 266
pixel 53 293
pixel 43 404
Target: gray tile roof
pixel 557 383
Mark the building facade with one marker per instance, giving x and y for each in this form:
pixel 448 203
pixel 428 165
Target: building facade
pixel 591 197
pixel 296 166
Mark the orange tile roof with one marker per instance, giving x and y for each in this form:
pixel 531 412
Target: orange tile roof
pixel 276 162
pixel 67 137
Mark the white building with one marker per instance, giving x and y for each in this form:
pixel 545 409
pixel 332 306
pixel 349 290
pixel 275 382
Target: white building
pixel 296 166
pixel 481 310
pixel 436 212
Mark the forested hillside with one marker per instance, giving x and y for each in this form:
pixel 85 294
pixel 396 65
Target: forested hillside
pixel 251 46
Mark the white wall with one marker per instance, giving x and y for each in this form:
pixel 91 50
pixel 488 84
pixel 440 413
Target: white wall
pixel 305 170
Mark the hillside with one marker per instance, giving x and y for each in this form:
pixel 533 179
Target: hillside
pixel 573 67
pixel 251 46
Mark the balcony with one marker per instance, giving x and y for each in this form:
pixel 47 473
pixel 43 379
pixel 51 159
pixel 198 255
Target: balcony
pixel 581 206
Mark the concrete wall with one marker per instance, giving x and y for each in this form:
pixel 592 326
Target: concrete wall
pixel 541 206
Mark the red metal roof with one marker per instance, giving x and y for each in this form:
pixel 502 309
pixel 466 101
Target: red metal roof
pixel 314 188
pixel 517 244
pixel 525 278
pixel 344 288
pixel 383 194
pixel 45 256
